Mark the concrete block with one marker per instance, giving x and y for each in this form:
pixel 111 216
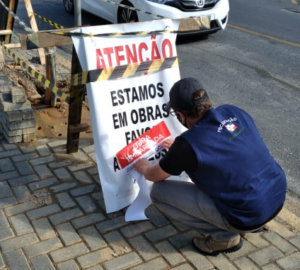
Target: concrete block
pixel 143 247
pixel 18 95
pixel 16 260
pixel 27 131
pixel 14 139
pixel 11 133
pixel 5 88
pixel 21 124
pixel 67 233
pixel 13 116
pixel 28 114
pixel 9 106
pixel 43 247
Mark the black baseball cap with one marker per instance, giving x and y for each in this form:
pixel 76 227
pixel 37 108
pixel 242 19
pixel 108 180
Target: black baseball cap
pixel 181 94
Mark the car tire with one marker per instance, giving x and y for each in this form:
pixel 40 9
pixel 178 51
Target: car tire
pixel 126 15
pixel 69 6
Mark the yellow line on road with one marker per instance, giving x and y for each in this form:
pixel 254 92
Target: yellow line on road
pixel 265 36
pixel 294 2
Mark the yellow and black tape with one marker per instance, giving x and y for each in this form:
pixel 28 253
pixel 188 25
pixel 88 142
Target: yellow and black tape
pixel 63 96
pixel 56 25
pixel 124 71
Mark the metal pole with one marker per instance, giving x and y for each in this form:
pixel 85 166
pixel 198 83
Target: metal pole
pixel 77 9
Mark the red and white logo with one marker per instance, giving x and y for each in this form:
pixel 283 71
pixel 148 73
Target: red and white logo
pixel 231 127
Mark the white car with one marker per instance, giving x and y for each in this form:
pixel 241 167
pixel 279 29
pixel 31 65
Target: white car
pixel 216 10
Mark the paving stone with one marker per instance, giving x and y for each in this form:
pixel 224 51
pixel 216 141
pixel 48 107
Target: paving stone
pixel 183 267
pixel 97 195
pixel 247 249
pixel 7 202
pixel 42 160
pixel 82 190
pixel 93 239
pixel 271 266
pixel 81 166
pixel 83 143
pixel 28 131
pixel 6 234
pixel 11 153
pixel 220 262
pixel 3 221
pixel 86 204
pixel 279 229
pixel 256 240
pixel 27 149
pixel 68 234
pixel 23 180
pixel 122 262
pixel 65 216
pixel 43 171
pixel 198 260
pixel 80 155
pixel 83 177
pixel 63 187
pixel 169 253
pixel 43 150
pixel 68 265
pixel 180 226
pixel 43 211
pixel 89 149
pixel 20 208
pixel 290 262
pixel 42 247
pixel 1 262
pixel 63 174
pixel 265 255
pixel 96 178
pixel 117 242
pixel 296 241
pixel 57 143
pixel 245 264
pixel 161 233
pixel 93 157
pixel 9 175
pixel 69 252
pixel 18 242
pixel 43 229
pixel 42 261
pixel 24 168
pixel 44 183
pixel 6 165
pixel 142 246
pixel 16 260
pixel 24 157
pixel 95 257
pixel 56 165
pixel 156 216
pixel 21 224
pixel 111 225
pixel 93 171
pixel 279 242
pixel 96 267
pixel 65 200
pixel 136 229
pixel 87 220
pixel 22 193
pixel 157 264
pixel 5 190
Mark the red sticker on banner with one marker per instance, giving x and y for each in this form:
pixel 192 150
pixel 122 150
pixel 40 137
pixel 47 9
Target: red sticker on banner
pixel 143 146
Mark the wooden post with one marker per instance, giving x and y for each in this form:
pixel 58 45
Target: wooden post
pixel 2 60
pixel 10 20
pixel 34 28
pixel 74 109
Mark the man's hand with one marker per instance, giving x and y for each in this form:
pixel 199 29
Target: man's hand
pixel 141 165
pixel 167 143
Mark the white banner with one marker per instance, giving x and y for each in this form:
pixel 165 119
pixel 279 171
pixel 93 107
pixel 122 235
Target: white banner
pixel 121 110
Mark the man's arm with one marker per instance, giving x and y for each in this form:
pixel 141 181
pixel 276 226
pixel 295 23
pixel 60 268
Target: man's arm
pixel 153 173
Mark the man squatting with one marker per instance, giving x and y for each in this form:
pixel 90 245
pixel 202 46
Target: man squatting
pixel 237 185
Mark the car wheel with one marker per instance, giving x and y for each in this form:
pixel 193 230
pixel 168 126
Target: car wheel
pixel 126 15
pixel 69 6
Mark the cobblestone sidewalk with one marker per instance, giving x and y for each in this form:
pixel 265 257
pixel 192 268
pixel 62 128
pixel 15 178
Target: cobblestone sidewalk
pixel 52 216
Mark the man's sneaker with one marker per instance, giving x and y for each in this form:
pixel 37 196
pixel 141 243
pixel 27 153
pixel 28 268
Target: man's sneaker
pixel 209 246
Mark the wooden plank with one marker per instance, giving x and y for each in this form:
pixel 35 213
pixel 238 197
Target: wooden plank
pixel 2 60
pixel 5 32
pixel 79 128
pixel 10 20
pixel 13 45
pixel 34 28
pixel 75 110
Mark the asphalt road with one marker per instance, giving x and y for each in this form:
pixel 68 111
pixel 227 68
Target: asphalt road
pixel 253 64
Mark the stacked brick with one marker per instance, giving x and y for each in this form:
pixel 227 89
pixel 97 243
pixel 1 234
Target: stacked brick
pixel 17 118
